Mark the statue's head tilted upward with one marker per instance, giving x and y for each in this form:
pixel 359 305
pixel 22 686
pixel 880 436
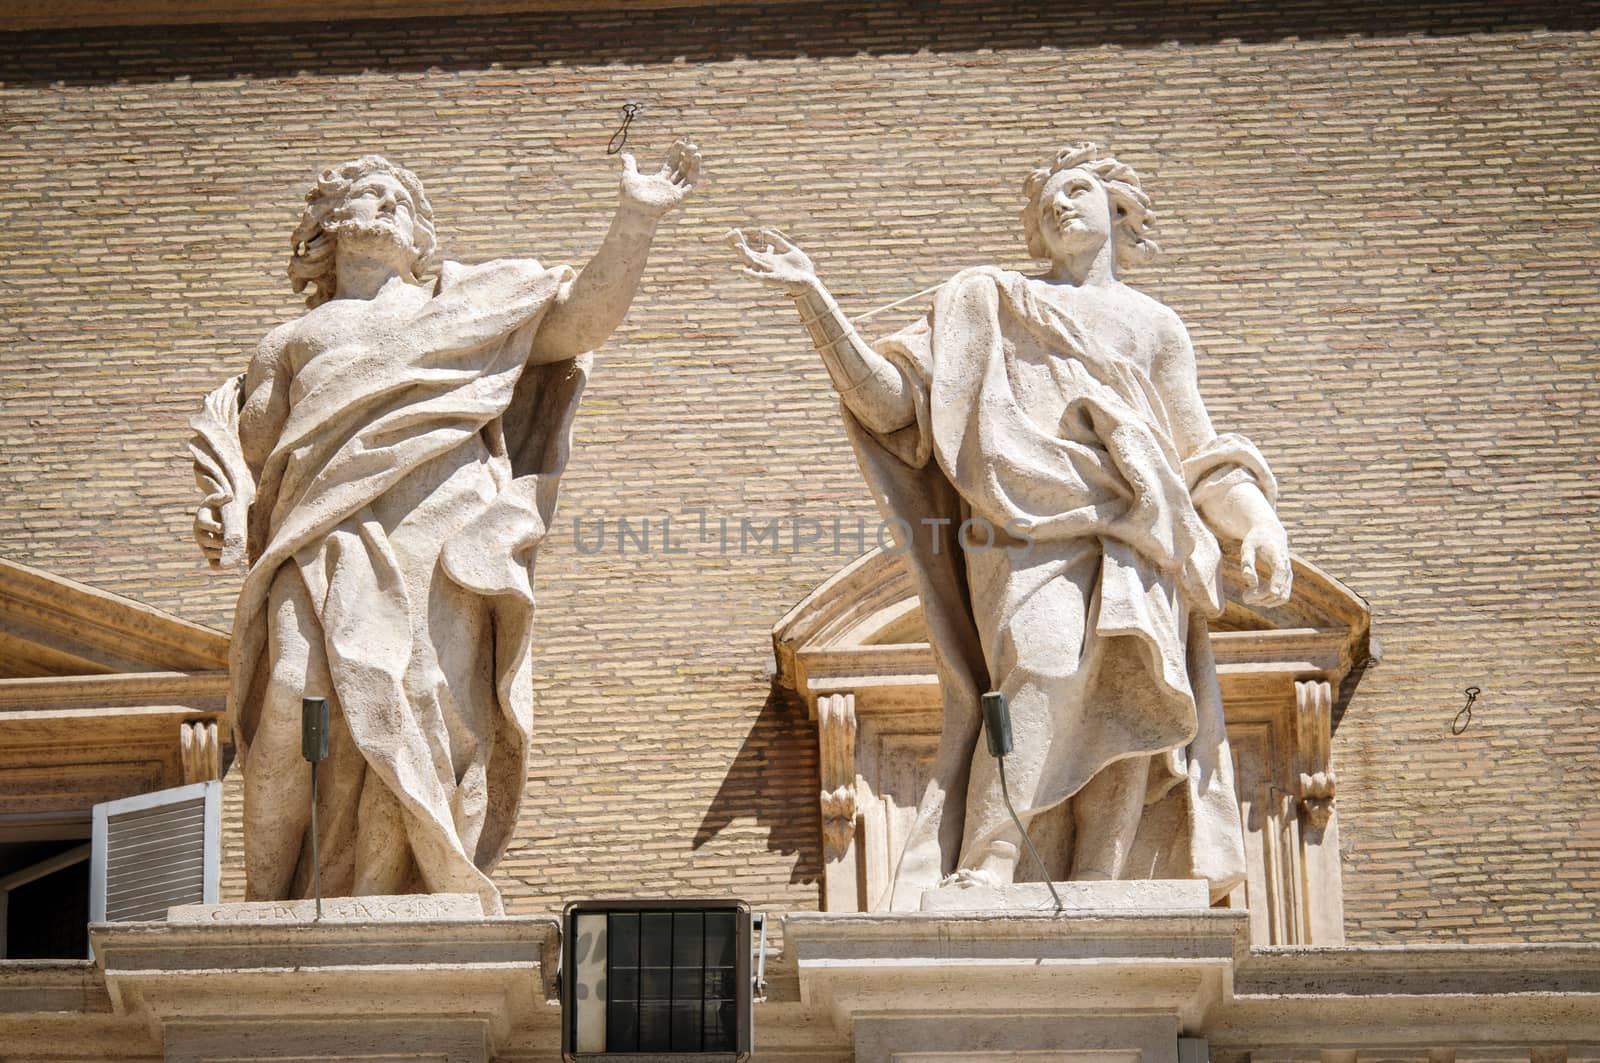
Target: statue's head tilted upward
pixel 1133 214
pixel 367 199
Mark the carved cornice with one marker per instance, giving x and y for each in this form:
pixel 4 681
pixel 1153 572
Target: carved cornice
pixel 50 625
pixel 129 688
pixel 101 697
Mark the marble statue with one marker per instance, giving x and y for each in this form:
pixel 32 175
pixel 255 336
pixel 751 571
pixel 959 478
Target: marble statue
pixel 387 468
pixel 1044 440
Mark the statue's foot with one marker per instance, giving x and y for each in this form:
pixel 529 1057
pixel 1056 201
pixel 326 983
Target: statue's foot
pixel 968 877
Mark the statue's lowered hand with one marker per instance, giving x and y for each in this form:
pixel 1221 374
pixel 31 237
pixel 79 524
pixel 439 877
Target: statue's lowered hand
pixel 1266 546
pixel 775 260
pixel 655 194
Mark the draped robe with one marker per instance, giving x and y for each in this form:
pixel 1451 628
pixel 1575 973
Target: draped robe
pixel 407 492
pixel 1092 614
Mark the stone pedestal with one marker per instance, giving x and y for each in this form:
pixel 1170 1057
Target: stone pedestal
pixel 1085 986
pixel 378 978
pixel 1147 895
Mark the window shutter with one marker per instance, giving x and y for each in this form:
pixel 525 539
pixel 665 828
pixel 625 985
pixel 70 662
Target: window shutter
pixel 154 851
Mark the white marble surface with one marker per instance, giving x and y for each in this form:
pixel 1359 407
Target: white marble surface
pixel 387 467
pixel 405 908
pixel 1061 497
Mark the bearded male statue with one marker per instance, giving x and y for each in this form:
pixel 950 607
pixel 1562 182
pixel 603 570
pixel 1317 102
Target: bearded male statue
pixel 387 468
pixel 1058 419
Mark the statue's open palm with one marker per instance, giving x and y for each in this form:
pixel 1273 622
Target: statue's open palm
pixel 776 261
pixel 659 192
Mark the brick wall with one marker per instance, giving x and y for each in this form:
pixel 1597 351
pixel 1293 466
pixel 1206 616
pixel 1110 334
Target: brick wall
pixel 1381 229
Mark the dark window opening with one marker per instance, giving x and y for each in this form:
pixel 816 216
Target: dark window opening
pixel 46 909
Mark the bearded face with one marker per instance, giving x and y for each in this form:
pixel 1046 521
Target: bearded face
pixel 368 208
pixel 376 217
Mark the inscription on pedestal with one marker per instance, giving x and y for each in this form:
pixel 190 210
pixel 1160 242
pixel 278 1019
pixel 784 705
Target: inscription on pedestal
pixel 397 909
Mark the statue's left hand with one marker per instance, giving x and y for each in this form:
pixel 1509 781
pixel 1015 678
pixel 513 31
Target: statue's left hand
pixel 655 194
pixel 1266 544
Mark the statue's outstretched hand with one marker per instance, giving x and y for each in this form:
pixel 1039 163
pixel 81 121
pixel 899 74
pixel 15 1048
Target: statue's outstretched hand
pixel 655 194
pixel 1266 544
pixel 774 260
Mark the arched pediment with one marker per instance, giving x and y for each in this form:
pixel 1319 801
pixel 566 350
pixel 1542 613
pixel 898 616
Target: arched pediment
pixel 856 650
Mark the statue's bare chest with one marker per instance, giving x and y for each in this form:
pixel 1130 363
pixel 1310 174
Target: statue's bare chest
pixel 374 326
pixel 1116 319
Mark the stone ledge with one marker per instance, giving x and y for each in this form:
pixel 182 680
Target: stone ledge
pixel 440 985
pixel 418 907
pixel 957 982
pixel 1149 895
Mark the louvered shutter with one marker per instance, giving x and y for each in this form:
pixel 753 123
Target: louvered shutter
pixel 154 851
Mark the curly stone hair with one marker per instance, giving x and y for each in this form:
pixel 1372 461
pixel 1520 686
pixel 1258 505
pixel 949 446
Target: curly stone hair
pixel 311 248
pixel 1134 215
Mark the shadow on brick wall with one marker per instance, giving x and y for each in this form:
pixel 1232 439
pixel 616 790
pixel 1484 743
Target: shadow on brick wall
pixel 773 781
pixel 725 34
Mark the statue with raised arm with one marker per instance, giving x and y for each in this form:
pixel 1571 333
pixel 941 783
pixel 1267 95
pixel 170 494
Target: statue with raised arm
pixel 386 468
pixel 1045 441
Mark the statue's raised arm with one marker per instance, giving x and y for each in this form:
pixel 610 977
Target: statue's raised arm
pixel 874 389
pixel 388 467
pixel 1058 417
pixel 585 315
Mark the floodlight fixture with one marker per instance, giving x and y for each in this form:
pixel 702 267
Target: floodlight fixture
pixel 657 980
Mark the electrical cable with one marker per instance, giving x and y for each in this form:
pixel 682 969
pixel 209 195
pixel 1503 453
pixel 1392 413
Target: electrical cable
pixel 1005 793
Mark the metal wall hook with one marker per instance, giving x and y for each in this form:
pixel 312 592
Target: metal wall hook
pixel 630 111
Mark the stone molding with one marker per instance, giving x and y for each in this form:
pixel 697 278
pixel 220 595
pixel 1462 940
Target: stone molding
pixel 1496 1002
pixel 83 13
pixel 101 697
pixel 1013 986
pixel 858 643
pixel 1020 986
pixel 452 988
pixel 52 625
pixel 1016 986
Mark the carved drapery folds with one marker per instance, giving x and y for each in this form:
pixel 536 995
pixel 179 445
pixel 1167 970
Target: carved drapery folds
pixel 856 650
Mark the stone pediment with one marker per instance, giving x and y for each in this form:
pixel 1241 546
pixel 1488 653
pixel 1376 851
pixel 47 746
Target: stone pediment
pixel 101 697
pixel 856 650
pixel 53 626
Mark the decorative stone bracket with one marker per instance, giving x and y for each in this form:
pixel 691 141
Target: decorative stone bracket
pixel 201 751
pixel 1314 704
pixel 836 737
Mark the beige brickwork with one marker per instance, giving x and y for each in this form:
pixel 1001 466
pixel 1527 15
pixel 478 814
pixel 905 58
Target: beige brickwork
pixel 1381 226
